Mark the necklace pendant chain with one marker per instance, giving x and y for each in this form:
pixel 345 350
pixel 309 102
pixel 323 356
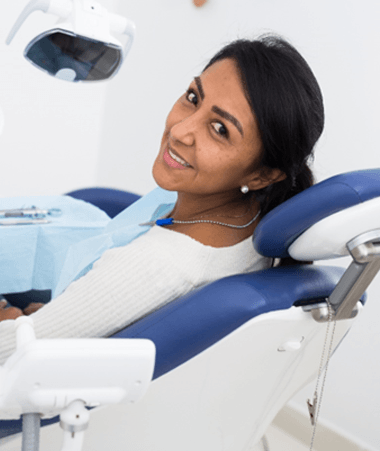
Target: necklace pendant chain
pixel 169 221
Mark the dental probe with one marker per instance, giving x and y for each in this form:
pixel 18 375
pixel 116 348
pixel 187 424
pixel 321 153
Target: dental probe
pixel 24 222
pixel 32 212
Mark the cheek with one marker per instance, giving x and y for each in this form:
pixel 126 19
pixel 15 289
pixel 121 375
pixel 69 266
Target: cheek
pixel 220 171
pixel 226 170
pixel 219 159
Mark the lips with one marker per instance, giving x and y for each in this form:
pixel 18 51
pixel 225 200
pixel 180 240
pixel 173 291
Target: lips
pixel 174 160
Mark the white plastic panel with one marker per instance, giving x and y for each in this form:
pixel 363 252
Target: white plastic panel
pixel 328 238
pixel 45 376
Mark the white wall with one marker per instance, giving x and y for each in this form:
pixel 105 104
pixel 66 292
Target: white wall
pixel 341 41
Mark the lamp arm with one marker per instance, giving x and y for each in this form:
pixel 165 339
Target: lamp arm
pixel 61 8
pixel 33 5
pixel 120 24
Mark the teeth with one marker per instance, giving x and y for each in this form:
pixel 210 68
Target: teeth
pixel 179 160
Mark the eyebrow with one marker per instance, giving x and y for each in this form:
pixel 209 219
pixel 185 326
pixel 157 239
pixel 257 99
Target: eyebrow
pixel 218 110
pixel 200 87
pixel 228 117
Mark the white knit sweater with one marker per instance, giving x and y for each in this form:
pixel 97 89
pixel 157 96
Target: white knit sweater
pixel 128 282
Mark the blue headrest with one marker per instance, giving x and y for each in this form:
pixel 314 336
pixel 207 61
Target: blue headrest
pixel 283 225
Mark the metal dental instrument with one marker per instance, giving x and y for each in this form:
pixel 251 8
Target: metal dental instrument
pixel 32 212
pixel 24 222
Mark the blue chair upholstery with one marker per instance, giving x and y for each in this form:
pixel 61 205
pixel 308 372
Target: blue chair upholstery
pixel 191 324
pixel 283 225
pixel 112 201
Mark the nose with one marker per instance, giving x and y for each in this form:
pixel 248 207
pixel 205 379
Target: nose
pixel 183 132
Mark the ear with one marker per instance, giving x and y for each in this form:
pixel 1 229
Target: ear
pixel 263 177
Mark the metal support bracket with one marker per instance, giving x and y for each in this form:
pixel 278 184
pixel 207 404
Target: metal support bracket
pixel 365 251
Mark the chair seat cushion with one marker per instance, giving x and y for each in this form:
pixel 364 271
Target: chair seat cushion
pixel 189 325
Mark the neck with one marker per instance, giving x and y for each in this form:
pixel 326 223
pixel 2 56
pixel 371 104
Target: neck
pixel 189 206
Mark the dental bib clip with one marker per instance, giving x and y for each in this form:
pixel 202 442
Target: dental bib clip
pixel 80 47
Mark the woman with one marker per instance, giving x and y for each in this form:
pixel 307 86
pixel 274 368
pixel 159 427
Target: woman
pixel 235 145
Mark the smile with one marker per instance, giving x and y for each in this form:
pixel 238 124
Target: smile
pixel 178 159
pixel 174 160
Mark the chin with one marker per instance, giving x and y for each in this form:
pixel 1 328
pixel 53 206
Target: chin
pixel 160 176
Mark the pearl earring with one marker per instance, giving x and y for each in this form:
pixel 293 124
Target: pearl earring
pixel 244 189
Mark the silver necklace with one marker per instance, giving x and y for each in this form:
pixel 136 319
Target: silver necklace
pixel 169 221
pixel 228 216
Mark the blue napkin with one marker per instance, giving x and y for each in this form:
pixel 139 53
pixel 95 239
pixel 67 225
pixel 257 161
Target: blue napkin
pixel 51 256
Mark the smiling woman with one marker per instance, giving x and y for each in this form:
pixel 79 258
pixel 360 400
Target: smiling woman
pixel 235 145
pixel 248 124
pixel 210 144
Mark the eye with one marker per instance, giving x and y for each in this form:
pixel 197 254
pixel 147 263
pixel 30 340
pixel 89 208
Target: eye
pixel 192 97
pixel 220 129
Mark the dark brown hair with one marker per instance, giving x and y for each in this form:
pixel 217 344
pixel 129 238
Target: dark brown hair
pixel 287 102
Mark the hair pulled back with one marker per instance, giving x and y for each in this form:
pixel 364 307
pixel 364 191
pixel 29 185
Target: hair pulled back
pixel 287 103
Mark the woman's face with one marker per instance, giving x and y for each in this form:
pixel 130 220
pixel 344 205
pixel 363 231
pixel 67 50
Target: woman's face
pixel 211 140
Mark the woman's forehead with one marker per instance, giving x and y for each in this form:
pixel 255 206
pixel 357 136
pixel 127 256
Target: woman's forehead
pixel 225 70
pixel 221 83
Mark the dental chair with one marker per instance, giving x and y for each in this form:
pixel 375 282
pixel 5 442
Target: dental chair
pixel 230 355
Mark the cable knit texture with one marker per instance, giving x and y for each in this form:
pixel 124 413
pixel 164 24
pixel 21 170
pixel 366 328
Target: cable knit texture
pixel 129 282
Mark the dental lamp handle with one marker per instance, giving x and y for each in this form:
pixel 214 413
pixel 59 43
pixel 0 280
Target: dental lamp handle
pixel 121 25
pixel 61 8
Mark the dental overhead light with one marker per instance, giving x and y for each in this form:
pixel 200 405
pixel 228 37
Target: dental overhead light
pixel 80 46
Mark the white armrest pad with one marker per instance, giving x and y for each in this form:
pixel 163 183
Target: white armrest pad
pixel 328 238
